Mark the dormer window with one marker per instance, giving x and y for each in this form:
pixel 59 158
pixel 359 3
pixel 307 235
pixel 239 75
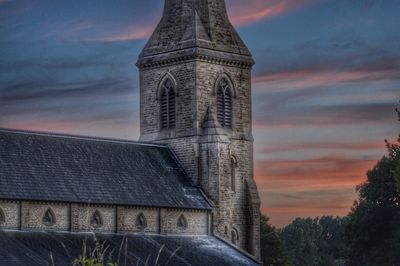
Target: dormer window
pixel 49 219
pixel 141 222
pixel 168 104
pixel 224 103
pixel 96 220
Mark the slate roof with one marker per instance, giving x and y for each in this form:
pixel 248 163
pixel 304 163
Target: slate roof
pixel 47 167
pixel 51 248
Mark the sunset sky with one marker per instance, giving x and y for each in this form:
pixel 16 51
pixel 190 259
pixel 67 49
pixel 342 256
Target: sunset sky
pixel 325 85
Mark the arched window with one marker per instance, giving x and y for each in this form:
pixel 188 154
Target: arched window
pixel 2 217
pixel 168 104
pixel 233 173
pixel 141 222
pixel 182 222
pixel 96 221
pixel 224 103
pixel 49 218
pixel 234 236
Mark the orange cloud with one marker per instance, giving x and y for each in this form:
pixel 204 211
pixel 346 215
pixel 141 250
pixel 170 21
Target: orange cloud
pixel 309 188
pixel 281 217
pixel 317 173
pixel 361 146
pixel 249 12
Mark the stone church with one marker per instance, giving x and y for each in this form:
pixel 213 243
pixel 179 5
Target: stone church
pixel 183 195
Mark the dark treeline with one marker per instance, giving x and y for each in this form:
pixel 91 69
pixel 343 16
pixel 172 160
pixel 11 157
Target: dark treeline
pixel 368 236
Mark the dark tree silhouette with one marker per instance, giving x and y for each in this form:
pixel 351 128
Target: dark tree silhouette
pixel 373 231
pixel 272 250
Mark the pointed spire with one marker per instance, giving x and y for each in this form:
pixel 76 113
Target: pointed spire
pixel 212 129
pixel 196 31
pixel 195 23
pixel 210 120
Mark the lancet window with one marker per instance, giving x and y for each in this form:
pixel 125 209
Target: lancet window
pixel 168 105
pixel 224 103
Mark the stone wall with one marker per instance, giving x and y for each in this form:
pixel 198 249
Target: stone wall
pixel 208 164
pixel 197 222
pixel 127 218
pixel 10 210
pixel 82 214
pixel 30 216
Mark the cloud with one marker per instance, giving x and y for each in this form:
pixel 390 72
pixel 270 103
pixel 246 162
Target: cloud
pixel 133 34
pixel 325 75
pixel 329 115
pixel 283 206
pixel 111 127
pixel 52 90
pixel 250 12
pixel 297 146
pixel 317 173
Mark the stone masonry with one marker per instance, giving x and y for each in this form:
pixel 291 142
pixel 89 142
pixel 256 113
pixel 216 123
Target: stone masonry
pixel 28 216
pixel 195 46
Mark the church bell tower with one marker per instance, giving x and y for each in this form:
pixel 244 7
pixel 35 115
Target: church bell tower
pixel 195 95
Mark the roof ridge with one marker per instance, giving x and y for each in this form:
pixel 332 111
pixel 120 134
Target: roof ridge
pixel 81 137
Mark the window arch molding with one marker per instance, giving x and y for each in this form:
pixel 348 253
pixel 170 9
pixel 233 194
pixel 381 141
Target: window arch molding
pixel 167 99
pixel 49 218
pixel 225 95
pixel 234 236
pixel 141 222
pixel 166 76
pixel 182 222
pixel 221 77
pixel 96 219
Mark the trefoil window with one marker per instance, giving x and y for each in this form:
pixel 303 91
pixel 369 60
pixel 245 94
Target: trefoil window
pixel 141 222
pixel 182 222
pixel 49 219
pixel 96 220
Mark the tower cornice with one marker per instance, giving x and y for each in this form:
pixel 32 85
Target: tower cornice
pixel 200 54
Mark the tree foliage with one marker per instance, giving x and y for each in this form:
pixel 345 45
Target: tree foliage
pixel 315 241
pixel 272 250
pixel 373 231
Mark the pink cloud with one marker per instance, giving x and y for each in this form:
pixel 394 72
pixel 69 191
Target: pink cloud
pixel 249 12
pixel 318 173
pixel 309 188
pixel 132 34
pixel 90 127
pixel 318 76
pixel 360 146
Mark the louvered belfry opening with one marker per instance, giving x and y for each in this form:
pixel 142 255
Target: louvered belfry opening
pixel 224 104
pixel 168 105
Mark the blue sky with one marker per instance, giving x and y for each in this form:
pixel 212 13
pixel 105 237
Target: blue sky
pixel 325 85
